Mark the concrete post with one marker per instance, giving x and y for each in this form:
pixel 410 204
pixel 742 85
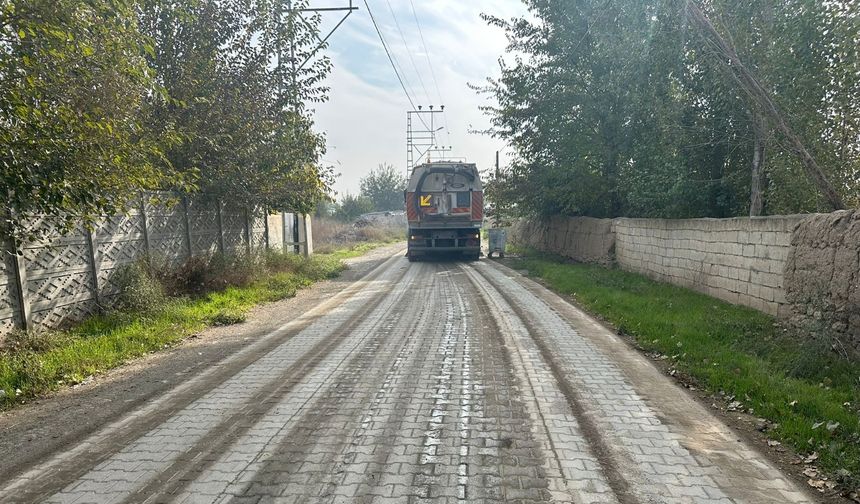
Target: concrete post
pixel 187 226
pixel 306 235
pixel 145 225
pixel 94 267
pixel 247 233
pixel 266 229
pixel 23 300
pixel 220 226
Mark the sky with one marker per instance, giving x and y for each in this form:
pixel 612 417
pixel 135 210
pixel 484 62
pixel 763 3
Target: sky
pixel 365 118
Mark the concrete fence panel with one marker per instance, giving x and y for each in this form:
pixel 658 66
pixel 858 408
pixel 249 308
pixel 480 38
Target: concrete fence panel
pixel 65 278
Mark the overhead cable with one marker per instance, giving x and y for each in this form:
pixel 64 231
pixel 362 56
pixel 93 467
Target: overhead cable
pixel 432 71
pixel 388 53
pixel 408 51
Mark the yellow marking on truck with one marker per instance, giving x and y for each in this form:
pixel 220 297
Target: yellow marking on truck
pixel 426 200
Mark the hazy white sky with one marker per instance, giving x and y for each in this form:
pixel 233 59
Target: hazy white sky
pixel 365 117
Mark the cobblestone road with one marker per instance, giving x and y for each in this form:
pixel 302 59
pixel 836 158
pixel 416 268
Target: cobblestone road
pixel 423 382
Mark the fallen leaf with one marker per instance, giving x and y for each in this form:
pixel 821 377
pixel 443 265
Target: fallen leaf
pixel 816 484
pixel 832 426
pixel 811 458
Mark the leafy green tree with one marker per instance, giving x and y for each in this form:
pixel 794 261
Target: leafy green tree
pixel 350 207
pixel 624 108
pixel 384 187
pixel 73 85
pixel 236 101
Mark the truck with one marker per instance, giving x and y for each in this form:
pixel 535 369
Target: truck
pixel 444 210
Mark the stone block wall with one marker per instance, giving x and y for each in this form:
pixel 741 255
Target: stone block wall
pixel 802 268
pixel 582 239
pixel 822 275
pixel 738 260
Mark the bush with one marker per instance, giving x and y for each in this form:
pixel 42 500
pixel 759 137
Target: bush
pixel 33 341
pixel 203 274
pixel 139 290
pixel 282 262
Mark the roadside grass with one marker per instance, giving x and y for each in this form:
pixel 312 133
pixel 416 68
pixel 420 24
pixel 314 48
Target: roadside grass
pixel 32 364
pixel 809 393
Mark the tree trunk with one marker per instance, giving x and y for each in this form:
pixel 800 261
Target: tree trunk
pixel 762 100
pixel 757 178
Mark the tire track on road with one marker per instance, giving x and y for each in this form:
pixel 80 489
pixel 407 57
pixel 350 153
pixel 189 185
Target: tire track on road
pixel 169 426
pixel 307 455
pixel 576 458
pixel 254 425
pixel 642 447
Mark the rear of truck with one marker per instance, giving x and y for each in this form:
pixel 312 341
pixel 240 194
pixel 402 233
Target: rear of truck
pixel 445 210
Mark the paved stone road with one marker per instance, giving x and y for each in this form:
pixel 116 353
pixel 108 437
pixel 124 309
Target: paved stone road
pixel 423 382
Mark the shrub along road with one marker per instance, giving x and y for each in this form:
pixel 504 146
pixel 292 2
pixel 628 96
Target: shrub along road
pixel 406 382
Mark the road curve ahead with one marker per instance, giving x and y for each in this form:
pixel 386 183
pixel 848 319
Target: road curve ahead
pixel 421 382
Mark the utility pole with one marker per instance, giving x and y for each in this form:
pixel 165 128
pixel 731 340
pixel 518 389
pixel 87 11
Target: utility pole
pixel 496 180
pixel 420 138
pixel 295 15
pixel 441 150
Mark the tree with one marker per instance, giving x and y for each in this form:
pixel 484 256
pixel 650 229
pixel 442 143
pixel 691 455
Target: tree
pixel 621 109
pixel 764 105
pixel 236 101
pixel 351 207
pixel 384 187
pixel 73 84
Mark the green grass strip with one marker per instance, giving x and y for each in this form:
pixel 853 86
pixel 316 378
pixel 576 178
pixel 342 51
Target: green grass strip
pixel 40 363
pixel 799 383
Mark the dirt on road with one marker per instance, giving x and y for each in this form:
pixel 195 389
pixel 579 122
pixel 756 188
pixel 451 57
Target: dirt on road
pixel 398 382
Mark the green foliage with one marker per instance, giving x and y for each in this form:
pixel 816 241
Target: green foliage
pixel 351 207
pixel 226 317
pixel 384 187
pixel 73 91
pixel 235 101
pixel 34 363
pixel 139 290
pixel 793 381
pixel 623 109
pixel 102 99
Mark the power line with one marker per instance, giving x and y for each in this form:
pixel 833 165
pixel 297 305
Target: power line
pixel 426 52
pixel 388 53
pixel 408 51
pixel 432 71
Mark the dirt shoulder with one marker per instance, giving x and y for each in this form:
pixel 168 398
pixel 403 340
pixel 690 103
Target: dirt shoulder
pixel 55 422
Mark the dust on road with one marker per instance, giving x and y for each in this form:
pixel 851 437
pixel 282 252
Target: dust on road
pixel 422 382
